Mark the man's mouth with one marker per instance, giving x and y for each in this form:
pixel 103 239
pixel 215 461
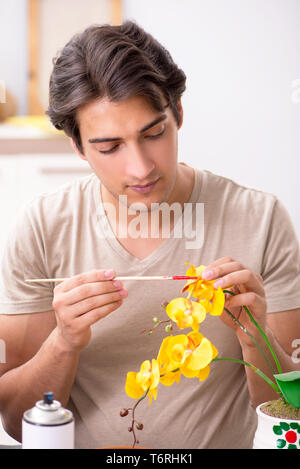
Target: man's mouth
pixel 143 188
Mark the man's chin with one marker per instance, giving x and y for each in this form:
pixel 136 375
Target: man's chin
pixel 144 205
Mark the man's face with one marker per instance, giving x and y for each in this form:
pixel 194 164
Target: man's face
pixel 132 148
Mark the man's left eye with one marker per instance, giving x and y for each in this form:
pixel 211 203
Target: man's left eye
pixel 156 134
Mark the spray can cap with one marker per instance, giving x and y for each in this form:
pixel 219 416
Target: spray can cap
pixel 48 412
pixel 48 397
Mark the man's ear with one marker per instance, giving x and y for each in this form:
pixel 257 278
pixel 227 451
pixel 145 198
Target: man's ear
pixel 81 155
pixel 180 110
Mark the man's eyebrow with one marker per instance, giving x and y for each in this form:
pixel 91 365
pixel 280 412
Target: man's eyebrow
pixel 114 139
pixel 153 123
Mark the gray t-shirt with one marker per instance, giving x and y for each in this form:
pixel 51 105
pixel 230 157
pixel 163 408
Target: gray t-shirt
pixel 66 232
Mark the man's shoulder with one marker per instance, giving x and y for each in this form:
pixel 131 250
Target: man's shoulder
pixel 215 186
pixel 60 207
pixel 65 195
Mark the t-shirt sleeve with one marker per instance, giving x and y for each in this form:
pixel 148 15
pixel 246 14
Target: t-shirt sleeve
pixel 281 263
pixel 24 258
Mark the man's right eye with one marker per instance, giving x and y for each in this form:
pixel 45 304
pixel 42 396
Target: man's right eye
pixel 110 150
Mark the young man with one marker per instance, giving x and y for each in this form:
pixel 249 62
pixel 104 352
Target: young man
pixel 116 92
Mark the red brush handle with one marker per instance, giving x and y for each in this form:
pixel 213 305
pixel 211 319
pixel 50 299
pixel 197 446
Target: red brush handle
pixel 183 277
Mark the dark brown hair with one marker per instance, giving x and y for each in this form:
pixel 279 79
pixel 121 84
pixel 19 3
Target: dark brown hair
pixel 117 62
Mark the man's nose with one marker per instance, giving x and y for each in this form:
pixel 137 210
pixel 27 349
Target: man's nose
pixel 139 165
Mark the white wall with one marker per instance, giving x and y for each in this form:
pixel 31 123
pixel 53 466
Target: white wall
pixel 13 54
pixel 242 103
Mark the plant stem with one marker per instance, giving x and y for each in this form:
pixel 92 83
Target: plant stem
pixel 149 331
pixel 263 334
pixel 133 410
pixel 265 338
pixel 243 328
pixel 257 370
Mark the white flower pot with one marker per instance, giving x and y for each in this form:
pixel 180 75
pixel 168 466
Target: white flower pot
pixel 275 432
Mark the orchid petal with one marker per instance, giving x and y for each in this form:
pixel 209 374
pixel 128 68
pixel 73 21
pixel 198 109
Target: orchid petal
pixel 201 356
pixel 132 389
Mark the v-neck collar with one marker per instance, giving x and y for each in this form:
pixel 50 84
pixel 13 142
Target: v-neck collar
pixel 114 243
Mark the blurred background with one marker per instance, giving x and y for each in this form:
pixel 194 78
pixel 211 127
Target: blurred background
pixel 241 106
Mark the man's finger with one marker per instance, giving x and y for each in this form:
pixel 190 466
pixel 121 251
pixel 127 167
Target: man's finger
pixel 87 277
pixel 88 290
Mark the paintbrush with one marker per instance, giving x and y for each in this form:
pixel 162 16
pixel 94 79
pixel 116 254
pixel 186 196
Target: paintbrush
pixel 155 277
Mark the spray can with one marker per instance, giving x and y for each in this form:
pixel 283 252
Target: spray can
pixel 48 426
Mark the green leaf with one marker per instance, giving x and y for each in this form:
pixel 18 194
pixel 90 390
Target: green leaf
pixel 280 443
pixel 256 370
pixel 289 384
pixel 244 329
pixel 263 334
pixel 277 430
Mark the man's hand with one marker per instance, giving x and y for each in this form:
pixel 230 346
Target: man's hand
pixel 81 301
pixel 248 287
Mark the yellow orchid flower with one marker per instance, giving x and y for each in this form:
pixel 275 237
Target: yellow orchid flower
pixel 147 378
pixel 190 354
pixel 200 352
pixel 186 313
pixel 168 373
pixel 197 286
pixel 215 305
pixel 212 299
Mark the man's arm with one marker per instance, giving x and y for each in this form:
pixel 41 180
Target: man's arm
pixel 43 348
pixel 286 329
pixel 35 363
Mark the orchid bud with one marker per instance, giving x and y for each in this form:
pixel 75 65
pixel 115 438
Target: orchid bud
pixel 124 412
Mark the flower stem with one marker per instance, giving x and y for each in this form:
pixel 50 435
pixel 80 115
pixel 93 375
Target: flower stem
pixel 133 410
pixel 149 331
pixel 265 338
pixel 243 328
pixel 256 370
pixel 263 334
